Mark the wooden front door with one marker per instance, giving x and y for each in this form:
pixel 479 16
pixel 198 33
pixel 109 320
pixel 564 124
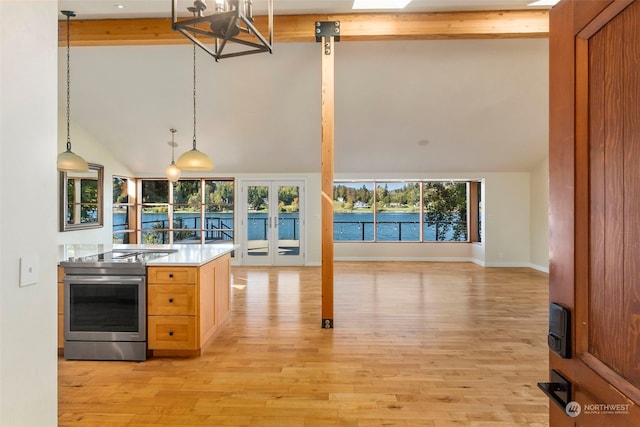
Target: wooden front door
pixel 594 156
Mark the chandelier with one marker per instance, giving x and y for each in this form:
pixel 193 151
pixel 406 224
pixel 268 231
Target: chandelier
pixel 230 26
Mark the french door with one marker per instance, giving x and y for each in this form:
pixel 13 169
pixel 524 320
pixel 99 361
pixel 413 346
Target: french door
pixel 272 222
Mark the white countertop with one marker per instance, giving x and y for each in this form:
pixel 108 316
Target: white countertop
pixel 187 254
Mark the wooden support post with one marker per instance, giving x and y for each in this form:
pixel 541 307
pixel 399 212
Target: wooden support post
pixel 327 33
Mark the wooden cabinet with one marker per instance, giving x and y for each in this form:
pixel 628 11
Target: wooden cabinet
pixel 60 309
pixel 186 306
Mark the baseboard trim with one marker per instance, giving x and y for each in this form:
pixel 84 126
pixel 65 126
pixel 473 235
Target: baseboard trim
pixel 410 259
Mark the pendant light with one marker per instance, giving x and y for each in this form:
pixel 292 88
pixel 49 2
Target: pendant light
pixel 172 172
pixel 68 160
pixel 194 160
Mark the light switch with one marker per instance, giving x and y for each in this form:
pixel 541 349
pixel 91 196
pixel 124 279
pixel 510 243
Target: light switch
pixel 29 270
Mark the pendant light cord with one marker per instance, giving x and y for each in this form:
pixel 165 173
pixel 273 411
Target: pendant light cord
pixel 194 96
pixel 173 145
pixel 69 14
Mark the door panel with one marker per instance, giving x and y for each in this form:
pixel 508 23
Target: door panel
pixel 257 220
pixel 594 156
pixel 288 220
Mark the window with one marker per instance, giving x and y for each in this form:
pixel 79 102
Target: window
pixel 397 212
pixel 353 211
pixel 81 199
pixel 218 210
pixel 404 211
pixel 445 211
pixel 124 210
pixel 188 211
pixel 154 211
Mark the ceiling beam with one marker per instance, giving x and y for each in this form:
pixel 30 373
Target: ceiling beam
pixel 353 26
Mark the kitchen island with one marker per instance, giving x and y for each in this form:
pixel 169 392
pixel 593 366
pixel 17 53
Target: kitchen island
pixel 187 292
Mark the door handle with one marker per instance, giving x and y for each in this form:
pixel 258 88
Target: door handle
pixel 558 389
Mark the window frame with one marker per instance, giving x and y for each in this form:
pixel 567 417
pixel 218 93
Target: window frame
pixel 473 214
pixel 95 173
pixel 168 229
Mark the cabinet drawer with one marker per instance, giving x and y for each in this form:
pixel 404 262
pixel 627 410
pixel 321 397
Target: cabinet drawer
pixel 172 333
pixel 171 299
pixel 177 275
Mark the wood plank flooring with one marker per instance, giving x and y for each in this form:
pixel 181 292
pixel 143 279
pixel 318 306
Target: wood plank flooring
pixel 414 344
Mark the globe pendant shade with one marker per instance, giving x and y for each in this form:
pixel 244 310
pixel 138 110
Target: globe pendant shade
pixel 172 172
pixel 71 162
pixel 194 160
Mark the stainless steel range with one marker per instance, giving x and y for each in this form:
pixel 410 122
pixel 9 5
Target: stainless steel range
pixel 105 305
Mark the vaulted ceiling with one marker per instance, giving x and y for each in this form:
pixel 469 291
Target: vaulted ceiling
pixel 423 91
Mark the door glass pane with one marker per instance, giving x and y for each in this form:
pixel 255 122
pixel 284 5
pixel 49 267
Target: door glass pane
pixel 288 220
pixel 258 220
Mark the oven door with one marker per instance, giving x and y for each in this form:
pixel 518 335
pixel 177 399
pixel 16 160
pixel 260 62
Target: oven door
pixel 104 308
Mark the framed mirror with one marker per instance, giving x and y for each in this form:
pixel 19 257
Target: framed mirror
pixel 81 199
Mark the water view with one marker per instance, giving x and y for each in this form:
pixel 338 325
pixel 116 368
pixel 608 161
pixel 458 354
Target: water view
pixel 389 226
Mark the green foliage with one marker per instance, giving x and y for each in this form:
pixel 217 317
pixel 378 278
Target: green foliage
pixel 155 191
pixel 187 192
pixel 353 197
pixel 120 191
pixel 218 193
pixel 444 204
pixel 257 198
pixel 288 197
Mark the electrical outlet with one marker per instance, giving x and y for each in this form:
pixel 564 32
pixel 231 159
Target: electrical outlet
pixel 29 270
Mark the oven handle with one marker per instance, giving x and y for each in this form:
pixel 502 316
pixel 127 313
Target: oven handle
pixel 105 279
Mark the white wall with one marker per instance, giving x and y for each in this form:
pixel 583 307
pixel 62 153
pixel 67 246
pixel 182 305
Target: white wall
pixel 28 189
pixel 93 151
pixel 540 216
pixel 506 219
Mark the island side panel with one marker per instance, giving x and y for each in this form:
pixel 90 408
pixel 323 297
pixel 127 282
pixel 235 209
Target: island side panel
pixel 207 308
pixel 223 289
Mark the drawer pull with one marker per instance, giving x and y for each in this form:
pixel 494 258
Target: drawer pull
pixel 170 299
pixel 170 275
pixel 170 333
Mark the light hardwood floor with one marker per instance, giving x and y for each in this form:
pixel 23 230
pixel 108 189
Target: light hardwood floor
pixel 414 344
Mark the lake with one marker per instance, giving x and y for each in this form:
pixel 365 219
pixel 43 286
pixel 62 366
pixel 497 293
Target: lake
pixel 391 226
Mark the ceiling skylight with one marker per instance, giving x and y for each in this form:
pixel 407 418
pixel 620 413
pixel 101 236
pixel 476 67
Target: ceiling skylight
pixel 380 4
pixel 544 3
